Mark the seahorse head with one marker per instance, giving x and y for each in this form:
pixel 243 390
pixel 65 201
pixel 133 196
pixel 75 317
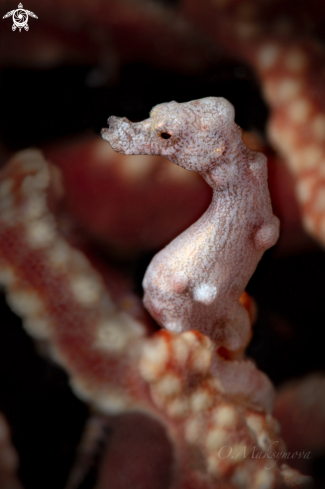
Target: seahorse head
pixel 193 134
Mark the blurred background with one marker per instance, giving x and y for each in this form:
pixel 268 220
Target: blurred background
pixel 79 63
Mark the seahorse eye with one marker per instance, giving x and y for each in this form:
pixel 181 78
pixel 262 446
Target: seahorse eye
pixel 165 135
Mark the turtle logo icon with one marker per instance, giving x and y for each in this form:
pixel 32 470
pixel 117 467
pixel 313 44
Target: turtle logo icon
pixel 20 18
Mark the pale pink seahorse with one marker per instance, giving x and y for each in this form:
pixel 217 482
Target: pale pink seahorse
pixel 195 282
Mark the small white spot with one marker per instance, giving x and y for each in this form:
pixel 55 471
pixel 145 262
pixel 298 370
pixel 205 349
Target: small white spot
pixel 216 438
pixel 309 223
pixel 273 424
pixel 41 234
pixel 154 359
pixel 225 416
pixel 178 408
pixel 193 430
pixel 288 89
pixel 201 360
pixel 37 327
pixel 190 338
pixel 110 336
pixel 269 90
pixel 239 452
pixel 299 110
pixel 170 385
pixel 306 159
pixel 283 137
pixel 201 400
pixel 117 332
pixel 277 92
pixel 174 327
pixel 180 350
pixel 205 293
pixel 265 479
pixel 81 390
pixel 113 402
pixel 264 440
pixel 213 465
pixel 86 290
pixel 312 155
pixel 215 384
pixel 26 303
pixel 304 189
pixel 268 56
pixel 255 423
pixel 59 255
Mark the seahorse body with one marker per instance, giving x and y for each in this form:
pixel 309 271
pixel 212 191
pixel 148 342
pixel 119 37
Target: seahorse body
pixel 195 282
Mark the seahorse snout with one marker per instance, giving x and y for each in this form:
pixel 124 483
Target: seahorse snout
pixel 129 137
pixel 119 134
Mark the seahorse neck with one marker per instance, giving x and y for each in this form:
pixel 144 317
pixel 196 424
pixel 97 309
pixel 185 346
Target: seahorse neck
pixel 226 173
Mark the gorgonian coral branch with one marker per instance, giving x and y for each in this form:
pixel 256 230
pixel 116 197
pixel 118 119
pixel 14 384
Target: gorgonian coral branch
pixel 61 297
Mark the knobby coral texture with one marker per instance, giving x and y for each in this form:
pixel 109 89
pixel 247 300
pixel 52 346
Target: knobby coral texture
pixel 200 387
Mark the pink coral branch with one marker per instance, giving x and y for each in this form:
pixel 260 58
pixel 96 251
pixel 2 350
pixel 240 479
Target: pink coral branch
pixel 37 266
